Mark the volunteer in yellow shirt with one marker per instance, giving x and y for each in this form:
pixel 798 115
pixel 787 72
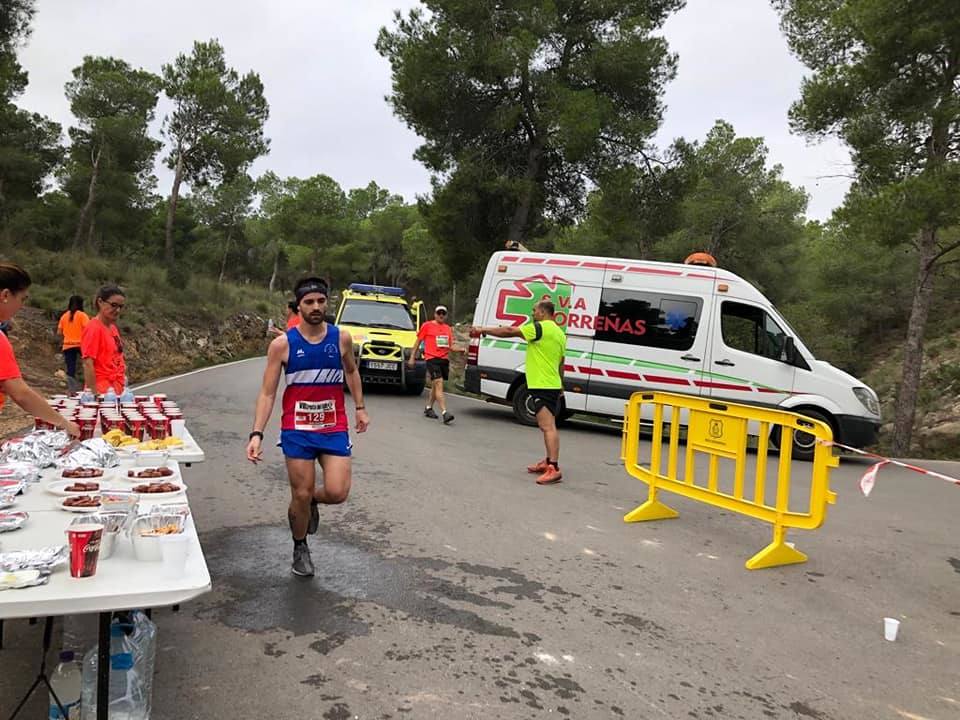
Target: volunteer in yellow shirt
pixel 71 326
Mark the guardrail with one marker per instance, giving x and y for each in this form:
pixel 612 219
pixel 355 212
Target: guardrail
pixel 718 431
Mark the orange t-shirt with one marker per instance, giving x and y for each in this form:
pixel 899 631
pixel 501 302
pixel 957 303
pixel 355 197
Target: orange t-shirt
pixel 103 345
pixel 293 321
pixel 72 330
pixel 9 370
pixel 437 339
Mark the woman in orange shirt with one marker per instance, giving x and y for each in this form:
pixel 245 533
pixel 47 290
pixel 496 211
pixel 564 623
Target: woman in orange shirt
pixel 101 346
pixel 14 283
pixel 71 326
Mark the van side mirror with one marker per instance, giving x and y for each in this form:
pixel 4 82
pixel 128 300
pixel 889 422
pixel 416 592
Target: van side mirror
pixel 790 354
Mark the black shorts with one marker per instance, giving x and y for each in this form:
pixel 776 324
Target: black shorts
pixel 549 399
pixel 438 368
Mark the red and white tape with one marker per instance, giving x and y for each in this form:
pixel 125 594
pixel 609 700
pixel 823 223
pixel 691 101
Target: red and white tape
pixel 870 476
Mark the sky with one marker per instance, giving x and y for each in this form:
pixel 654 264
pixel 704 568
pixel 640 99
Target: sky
pixel 326 83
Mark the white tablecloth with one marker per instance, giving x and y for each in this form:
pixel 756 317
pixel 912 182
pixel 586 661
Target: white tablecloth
pixel 122 582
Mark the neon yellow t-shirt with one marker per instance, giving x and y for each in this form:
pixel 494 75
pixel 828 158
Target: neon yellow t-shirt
pixel 546 346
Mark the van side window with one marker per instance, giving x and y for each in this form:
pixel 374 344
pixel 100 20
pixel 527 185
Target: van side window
pixel 650 319
pixel 750 329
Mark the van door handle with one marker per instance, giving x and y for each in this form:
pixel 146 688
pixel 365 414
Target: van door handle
pixel 689 358
pixel 727 363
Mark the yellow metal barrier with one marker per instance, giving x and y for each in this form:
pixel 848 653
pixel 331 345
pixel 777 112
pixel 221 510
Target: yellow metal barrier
pixel 718 430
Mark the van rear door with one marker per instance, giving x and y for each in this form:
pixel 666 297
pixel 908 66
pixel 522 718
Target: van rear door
pixel 519 282
pixel 650 333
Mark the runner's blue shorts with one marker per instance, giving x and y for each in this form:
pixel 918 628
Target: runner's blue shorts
pixel 304 445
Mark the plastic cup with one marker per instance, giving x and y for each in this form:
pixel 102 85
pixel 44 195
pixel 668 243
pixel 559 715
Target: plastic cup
pixel 177 427
pixel 174 550
pixel 890 627
pixel 84 549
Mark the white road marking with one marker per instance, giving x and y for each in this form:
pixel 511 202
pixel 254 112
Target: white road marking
pixel 193 372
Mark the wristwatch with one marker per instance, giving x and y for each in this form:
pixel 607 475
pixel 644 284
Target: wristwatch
pixel 255 433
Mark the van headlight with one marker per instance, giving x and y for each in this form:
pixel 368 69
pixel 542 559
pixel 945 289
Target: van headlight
pixel 867 399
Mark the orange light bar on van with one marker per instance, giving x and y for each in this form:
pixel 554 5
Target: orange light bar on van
pixel 722 287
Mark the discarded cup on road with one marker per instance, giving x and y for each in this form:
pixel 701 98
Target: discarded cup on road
pixel 84 549
pixel 890 627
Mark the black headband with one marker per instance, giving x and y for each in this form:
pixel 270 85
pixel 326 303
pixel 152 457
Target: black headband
pixel 304 290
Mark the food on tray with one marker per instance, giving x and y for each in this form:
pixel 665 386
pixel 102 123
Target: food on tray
pixel 171 529
pixel 82 472
pixel 82 487
pixel 158 487
pixel 165 444
pixel 157 472
pixel 82 501
pixel 118 438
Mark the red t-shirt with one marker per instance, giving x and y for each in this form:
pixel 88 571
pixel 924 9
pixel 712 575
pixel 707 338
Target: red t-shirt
pixel 103 345
pixel 9 370
pixel 293 321
pixel 437 339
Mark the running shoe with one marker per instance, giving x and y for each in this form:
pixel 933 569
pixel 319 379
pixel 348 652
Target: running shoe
pixel 550 475
pixel 447 418
pixel 430 414
pixel 539 468
pixel 314 523
pixel 302 562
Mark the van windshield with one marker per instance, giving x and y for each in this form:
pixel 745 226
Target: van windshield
pixel 369 313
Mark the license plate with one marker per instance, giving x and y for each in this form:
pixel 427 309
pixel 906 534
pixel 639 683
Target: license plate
pixel 374 365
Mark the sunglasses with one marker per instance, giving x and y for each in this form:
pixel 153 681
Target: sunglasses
pixel 116 306
pixel 441 312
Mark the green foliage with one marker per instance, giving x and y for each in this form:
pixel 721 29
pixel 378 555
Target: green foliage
pixel 522 103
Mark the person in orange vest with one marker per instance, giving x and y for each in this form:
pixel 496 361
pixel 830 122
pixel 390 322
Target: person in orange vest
pixel 70 328
pixel 700 258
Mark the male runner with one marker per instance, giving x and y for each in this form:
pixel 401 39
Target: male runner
pixel 437 339
pixel 316 358
pixel 546 346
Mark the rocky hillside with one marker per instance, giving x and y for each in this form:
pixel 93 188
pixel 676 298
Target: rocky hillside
pixel 937 426
pixel 155 350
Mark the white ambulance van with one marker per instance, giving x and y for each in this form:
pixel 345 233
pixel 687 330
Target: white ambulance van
pixel 637 325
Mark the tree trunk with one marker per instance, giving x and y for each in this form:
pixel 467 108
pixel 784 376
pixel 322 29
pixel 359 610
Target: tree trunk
pixel 172 209
pixel 521 215
pixel 87 208
pixel 913 350
pixel 226 252
pixel 276 267
pixel 93 240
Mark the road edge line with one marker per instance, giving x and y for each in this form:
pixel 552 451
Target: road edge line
pixel 194 372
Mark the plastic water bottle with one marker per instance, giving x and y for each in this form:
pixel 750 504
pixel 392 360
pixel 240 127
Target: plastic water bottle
pixel 131 672
pixel 66 682
pixel 270 326
pixel 127 396
pixel 110 398
pixel 87 396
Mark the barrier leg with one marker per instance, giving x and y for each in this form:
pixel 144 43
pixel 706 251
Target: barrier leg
pixel 776 553
pixel 652 509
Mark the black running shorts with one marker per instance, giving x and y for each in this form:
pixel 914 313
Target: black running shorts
pixel 438 368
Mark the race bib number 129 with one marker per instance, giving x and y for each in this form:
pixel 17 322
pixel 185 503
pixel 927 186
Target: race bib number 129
pixel 313 416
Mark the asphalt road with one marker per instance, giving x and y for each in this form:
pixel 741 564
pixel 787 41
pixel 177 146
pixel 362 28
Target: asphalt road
pixel 450 586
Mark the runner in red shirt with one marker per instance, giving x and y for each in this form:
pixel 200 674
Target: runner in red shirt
pixel 14 284
pixel 437 339
pixel 101 346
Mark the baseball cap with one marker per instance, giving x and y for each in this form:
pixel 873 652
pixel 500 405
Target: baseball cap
pixel 439 308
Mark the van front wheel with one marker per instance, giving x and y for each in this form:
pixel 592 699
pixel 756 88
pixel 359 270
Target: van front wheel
pixel 804 444
pixel 523 406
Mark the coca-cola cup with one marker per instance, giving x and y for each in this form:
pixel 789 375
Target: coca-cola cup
pixel 158 399
pixel 88 427
pixel 84 549
pixel 136 426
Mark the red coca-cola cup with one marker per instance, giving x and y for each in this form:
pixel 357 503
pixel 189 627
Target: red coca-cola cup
pixel 84 549
pixel 136 427
pixel 158 399
pixel 157 427
pixel 88 427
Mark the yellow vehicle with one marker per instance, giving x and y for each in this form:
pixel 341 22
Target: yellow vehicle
pixel 384 328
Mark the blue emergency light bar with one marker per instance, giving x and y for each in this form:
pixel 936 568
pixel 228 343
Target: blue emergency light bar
pixel 377 289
